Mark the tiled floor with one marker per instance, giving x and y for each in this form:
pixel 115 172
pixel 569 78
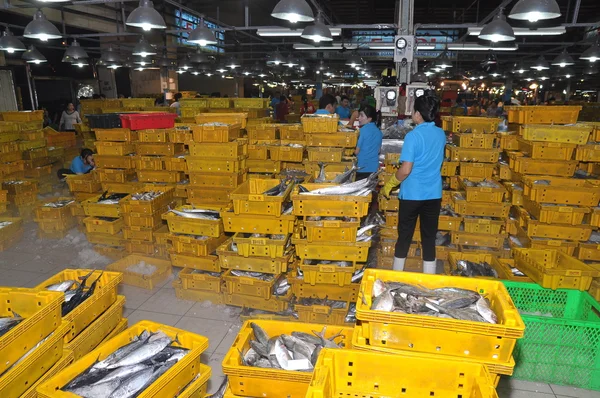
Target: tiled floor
pixel 32 261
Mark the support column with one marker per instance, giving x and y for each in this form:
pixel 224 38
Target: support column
pixel 405 23
pixel 319 86
pixel 508 91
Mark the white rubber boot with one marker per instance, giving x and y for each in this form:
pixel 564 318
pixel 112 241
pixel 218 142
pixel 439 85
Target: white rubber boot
pixel 430 267
pixel 399 264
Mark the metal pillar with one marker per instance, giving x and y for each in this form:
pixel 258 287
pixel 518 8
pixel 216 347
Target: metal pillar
pixel 319 86
pixel 405 22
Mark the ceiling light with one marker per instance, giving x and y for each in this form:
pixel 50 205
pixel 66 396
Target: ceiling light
pixel 143 48
pixel 80 62
pixel 563 59
pixel 40 28
pixel 198 57
pixel 276 58
pixel 520 68
pixel 33 56
pixel 164 61
pixel 146 17
pixel 286 32
pixel 110 56
pixel 209 73
pixel 9 43
pixel 477 47
pixel 67 59
pixel 535 10
pixel 318 31
pixel 142 61
pixel 498 30
pixel 180 71
pixel 291 62
pixel 591 69
pixel 293 11
pixel 221 69
pixel 139 69
pixel 592 54
pixel 184 63
pixel 201 35
pixel 552 31
pixel 75 51
pixel 391 46
pixel 540 64
pixel 443 61
pixel 354 61
pixel 232 63
pixel 195 73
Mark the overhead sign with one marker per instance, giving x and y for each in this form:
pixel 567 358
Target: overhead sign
pixel 404 48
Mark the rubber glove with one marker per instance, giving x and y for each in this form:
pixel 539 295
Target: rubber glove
pixel 389 186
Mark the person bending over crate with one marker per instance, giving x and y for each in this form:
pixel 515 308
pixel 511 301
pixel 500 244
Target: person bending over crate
pixel 421 183
pixel 82 164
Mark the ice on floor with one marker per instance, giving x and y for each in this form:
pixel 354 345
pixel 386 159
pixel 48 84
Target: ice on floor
pixel 142 268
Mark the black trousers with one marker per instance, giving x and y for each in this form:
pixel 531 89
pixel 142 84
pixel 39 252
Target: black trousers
pixel 63 172
pixel 428 212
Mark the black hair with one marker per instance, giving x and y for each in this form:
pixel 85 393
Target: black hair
pixel 283 98
pixel 178 96
pixel 428 106
pixel 344 98
pixel 326 99
pixel 85 152
pixel 369 111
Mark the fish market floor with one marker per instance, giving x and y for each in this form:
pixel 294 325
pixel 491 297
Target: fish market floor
pixel 31 261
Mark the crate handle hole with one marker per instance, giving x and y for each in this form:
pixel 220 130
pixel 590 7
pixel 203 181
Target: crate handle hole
pixel 461 386
pixel 403 390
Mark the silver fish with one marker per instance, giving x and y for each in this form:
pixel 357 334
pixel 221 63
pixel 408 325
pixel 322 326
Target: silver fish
pixel 102 390
pixel 345 176
pixel 196 215
pixel 7 323
pixel 383 302
pixel 359 188
pixel 142 353
pixel 120 353
pixel 321 177
pixel 259 333
pixel 122 372
pixel 220 393
pixel 133 384
pixel 483 308
pixel 62 286
pixel 365 229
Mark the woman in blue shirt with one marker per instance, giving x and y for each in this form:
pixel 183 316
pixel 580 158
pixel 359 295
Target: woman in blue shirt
pixel 369 143
pixel 421 183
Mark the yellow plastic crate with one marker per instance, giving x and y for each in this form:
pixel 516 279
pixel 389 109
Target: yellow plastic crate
pixel 258 152
pixel 196 295
pixel 482 194
pixel 221 133
pixel 23 116
pixel 543 114
pixel 325 154
pixel 264 166
pixel 92 208
pixel 104 296
pixel 114 253
pixel 114 148
pixel 339 139
pixel 116 134
pixel 190 245
pixel 154 135
pixel 134 102
pixel 105 239
pixel 215 165
pixel 42 313
pixel 110 226
pixel 594 290
pixel 476 257
pixel 230 150
pixel 525 165
pixel 449 169
pixel 160 149
pixel 266 382
pixel 326 274
pixel 320 123
pixel 258 224
pixel 568 191
pixel 256 103
pixel 478 239
pixel 142 247
pixel 553 269
pixel 293 132
pixel 115 161
pixel 17 380
pixel 54 213
pixel 144 220
pixel 160 176
pixel 230 259
pixel 483 225
pixel 571 134
pixel 537 229
pixel 335 251
pixel 66 359
pixel 194 102
pixel 472 155
pixel 465 339
pixel 8 127
pixel 550 214
pixel 258 132
pixel 168 384
pixel 595 217
pixel 150 163
pixel 273 304
pixel 249 246
pixel 218 180
pixel 148 206
pixel 320 314
pixel 286 153
pixel 249 198
pixel 588 153
pixel 503 266
pixel 477 170
pixel 193 226
pixel 150 281
pixel 94 334
pixel 475 140
pixel 588 251
pixel 546 150
pixel 200 281
pixel 480 209
pixel 477 125
pixel 329 205
pixel 219 102
pixel 388 204
pixel 138 233
pixel 330 230
pixel 180 135
pixel 116 175
pixel 205 196
pixel 204 263
pixel 246 286
pixel 508 141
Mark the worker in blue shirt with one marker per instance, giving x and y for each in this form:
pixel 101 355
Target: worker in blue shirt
pixel 369 143
pixel 82 164
pixel 343 110
pixel 274 102
pixel 326 105
pixel 421 183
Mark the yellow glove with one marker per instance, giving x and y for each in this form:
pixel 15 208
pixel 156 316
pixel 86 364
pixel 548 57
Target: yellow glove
pixel 389 186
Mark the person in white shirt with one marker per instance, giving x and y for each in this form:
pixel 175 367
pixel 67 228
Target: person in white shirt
pixel 68 118
pixel 175 104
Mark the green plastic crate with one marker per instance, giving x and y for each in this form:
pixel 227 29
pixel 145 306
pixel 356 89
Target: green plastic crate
pixel 562 336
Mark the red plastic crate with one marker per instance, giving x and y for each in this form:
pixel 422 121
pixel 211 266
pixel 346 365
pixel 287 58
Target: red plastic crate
pixel 143 121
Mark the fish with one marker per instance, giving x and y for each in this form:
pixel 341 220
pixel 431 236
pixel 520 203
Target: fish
pixel 197 215
pixel 146 196
pixel 122 352
pixel 259 333
pixel 358 188
pixel 383 302
pixel 321 177
pixel 483 308
pixel 58 203
pixel 101 390
pixel 364 229
pixel 345 176
pixel 277 190
pixel 7 323
pixel 220 393
pixel 134 383
pixel 254 275
pixel 474 269
pixel 144 352
pixel 122 372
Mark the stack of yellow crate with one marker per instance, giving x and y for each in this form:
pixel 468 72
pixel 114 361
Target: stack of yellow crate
pixel 11 230
pixel 218 158
pixel 104 223
pixel 143 227
pixel 190 107
pixel 263 150
pixel 22 196
pixel 329 253
pixel 55 217
pixel 89 137
pixel 292 136
pixel 115 160
pixel 158 159
pixel 26 128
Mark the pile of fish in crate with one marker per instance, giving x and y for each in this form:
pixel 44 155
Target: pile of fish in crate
pixel 55 217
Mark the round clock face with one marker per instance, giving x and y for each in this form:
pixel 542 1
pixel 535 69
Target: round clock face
pixel 391 95
pixel 401 43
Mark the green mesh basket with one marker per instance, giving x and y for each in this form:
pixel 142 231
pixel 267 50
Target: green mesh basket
pixel 562 336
